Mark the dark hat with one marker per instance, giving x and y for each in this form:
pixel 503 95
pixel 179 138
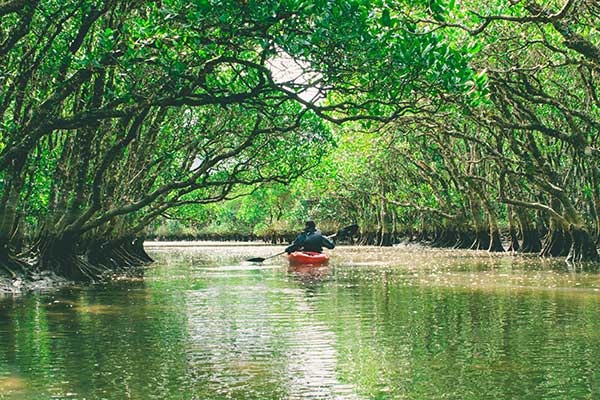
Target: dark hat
pixel 309 225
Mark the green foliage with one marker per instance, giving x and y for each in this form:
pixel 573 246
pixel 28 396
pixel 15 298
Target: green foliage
pixel 506 116
pixel 105 82
pixel 114 113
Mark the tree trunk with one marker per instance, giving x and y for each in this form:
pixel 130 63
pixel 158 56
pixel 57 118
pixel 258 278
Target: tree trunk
pixel 556 242
pixel 495 238
pixel 530 239
pixel 58 252
pixel 465 239
pixel 582 247
pixel 386 239
pixel 422 230
pixel 596 202
pixel 140 251
pixel 495 242
pixel 514 240
pixel 482 230
pixel 381 217
pixel 10 265
pixel 9 202
pixel 482 240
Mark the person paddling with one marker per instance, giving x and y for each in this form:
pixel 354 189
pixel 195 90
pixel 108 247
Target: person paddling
pixel 310 240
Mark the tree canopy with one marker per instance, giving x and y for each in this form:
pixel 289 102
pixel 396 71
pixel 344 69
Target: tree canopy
pixel 507 162
pixel 451 120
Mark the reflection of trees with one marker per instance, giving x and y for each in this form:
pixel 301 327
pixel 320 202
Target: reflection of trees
pixel 209 333
pixel 422 342
pixel 310 277
pixel 115 342
pixel 256 337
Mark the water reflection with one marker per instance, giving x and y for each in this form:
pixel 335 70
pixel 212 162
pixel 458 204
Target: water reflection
pixel 310 277
pixel 373 324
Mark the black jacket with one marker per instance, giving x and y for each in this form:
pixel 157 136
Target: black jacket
pixel 310 241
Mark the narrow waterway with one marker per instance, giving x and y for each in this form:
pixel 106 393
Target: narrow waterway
pixel 376 323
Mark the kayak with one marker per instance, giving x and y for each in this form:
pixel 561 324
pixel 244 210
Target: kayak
pixel 307 257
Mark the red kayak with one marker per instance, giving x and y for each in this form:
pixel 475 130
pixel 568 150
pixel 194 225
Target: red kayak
pixel 307 257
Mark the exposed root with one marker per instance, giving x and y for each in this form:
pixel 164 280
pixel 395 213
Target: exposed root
pixel 72 267
pixel 119 258
pixel 140 252
pixel 465 240
pixel 11 266
pixel 531 242
pixel 582 248
pixel 514 241
pixel 495 242
pixel 445 238
pixel 482 240
pixel 60 255
pixel 556 243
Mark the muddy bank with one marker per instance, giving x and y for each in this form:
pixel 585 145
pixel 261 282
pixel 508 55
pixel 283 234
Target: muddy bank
pixel 45 280
pixel 48 280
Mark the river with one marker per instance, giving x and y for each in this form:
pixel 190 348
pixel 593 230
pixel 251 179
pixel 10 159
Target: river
pixel 376 323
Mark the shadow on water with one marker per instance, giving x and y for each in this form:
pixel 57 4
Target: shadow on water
pixel 374 324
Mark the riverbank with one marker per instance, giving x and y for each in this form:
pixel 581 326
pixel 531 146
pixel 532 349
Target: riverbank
pixel 48 280
pixel 200 243
pixel 45 280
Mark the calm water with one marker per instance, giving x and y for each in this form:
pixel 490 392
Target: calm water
pixel 398 323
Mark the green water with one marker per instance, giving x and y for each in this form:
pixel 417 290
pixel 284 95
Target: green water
pixel 396 323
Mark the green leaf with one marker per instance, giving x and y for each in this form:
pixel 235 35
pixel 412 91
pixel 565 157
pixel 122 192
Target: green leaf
pixel 385 18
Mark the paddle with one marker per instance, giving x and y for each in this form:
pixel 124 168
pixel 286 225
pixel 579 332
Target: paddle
pixel 261 259
pixel 345 230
